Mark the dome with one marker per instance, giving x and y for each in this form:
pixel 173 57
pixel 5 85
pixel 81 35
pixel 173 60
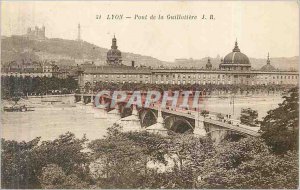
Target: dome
pixel 236 57
pixel 235 60
pixel 114 56
pixel 268 66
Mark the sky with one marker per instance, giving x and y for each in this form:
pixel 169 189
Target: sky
pixel 259 27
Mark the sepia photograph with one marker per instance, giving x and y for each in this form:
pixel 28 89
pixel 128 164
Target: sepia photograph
pixel 149 94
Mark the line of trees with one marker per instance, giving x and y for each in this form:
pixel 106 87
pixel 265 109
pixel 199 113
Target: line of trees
pixel 21 86
pixel 234 88
pixel 134 159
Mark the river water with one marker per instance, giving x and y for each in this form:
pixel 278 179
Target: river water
pixel 49 124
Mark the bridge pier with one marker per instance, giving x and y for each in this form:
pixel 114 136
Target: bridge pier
pixel 199 125
pixel 100 110
pixel 90 106
pixel 80 104
pixel 159 126
pixel 132 122
pixel 113 115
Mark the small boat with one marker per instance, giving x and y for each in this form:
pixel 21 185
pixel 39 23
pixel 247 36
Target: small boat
pixel 17 108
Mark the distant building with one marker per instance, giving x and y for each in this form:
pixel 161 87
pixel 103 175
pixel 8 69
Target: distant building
pixel 31 69
pixel 36 33
pixel 235 68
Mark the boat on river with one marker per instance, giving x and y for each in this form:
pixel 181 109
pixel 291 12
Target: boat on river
pixel 17 108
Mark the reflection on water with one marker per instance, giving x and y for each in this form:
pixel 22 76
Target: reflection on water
pixel 49 124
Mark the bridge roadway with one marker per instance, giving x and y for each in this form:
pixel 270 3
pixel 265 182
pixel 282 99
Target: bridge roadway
pixel 252 131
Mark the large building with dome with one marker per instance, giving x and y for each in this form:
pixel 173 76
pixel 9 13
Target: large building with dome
pixel 235 68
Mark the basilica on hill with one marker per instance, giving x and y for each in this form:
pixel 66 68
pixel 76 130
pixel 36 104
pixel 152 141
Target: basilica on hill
pixel 235 68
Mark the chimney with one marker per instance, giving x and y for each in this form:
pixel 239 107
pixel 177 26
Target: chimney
pixel 132 63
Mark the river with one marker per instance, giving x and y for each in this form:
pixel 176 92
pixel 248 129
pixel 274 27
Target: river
pixel 49 124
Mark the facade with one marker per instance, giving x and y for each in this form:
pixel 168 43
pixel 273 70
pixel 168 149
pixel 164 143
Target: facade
pixel 235 68
pixel 31 69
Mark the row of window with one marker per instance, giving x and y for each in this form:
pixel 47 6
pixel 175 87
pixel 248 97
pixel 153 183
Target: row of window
pixel 135 81
pixel 215 81
pixel 223 76
pixel 121 76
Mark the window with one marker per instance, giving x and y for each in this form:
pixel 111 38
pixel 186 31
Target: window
pixel 124 76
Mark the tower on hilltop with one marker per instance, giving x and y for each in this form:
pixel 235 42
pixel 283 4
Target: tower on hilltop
pixel 79 33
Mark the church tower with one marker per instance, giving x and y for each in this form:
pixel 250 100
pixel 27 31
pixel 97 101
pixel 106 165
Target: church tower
pixel 114 56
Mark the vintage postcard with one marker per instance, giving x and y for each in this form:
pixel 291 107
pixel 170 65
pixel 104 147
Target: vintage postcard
pixel 149 95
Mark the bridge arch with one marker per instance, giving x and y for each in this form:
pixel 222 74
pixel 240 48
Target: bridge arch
pixel 178 124
pixel 147 117
pixel 221 134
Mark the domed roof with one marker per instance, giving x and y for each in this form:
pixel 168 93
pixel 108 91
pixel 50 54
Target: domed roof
pixel 114 52
pixel 268 66
pixel 236 57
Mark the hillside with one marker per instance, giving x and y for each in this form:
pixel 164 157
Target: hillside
pixel 64 51
pixel 67 52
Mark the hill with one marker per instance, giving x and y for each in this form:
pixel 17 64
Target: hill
pixel 70 52
pixel 19 48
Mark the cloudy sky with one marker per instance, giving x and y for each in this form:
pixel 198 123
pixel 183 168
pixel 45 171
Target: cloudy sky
pixel 260 27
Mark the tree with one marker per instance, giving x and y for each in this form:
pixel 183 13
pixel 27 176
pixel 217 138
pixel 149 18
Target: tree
pixel 249 117
pixel 249 164
pixel 23 162
pixel 17 169
pixel 53 177
pixel 280 127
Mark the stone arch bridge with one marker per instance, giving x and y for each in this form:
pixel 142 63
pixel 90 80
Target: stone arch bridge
pixel 176 120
